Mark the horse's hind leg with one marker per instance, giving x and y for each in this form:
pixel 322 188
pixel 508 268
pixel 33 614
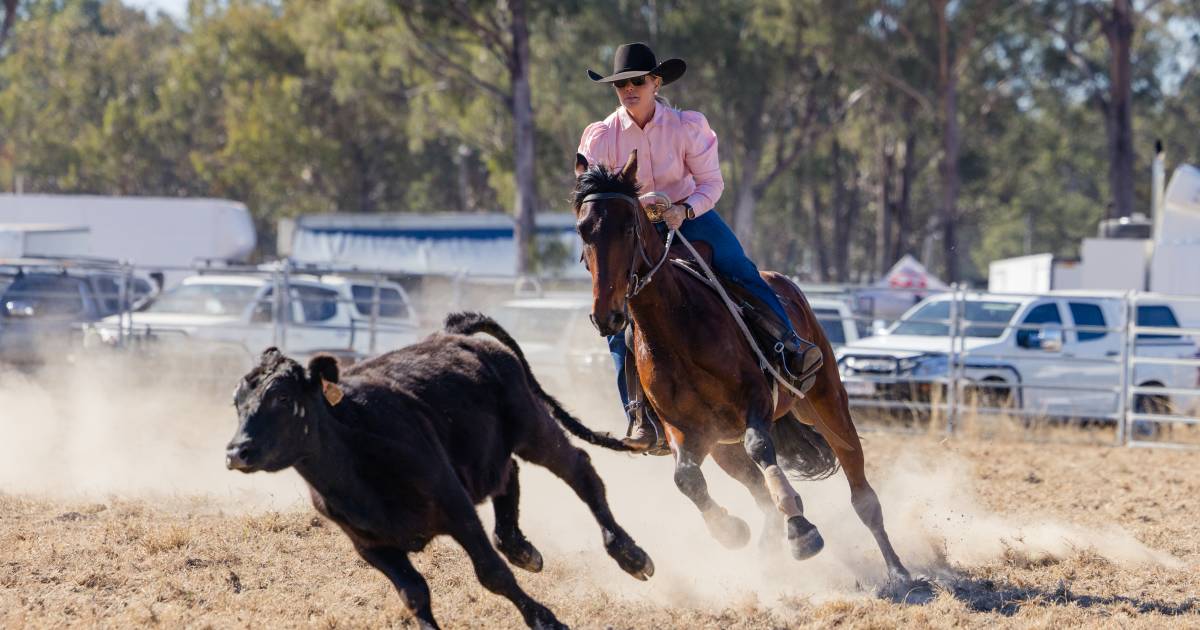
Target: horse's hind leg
pixel 802 535
pixel 729 530
pixel 508 536
pixel 835 410
pixel 733 459
pixel 548 447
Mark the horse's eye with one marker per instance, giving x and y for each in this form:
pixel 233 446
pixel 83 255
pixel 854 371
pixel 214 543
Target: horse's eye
pixel 629 228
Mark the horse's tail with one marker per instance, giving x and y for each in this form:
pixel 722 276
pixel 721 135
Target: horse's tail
pixel 802 452
pixel 469 323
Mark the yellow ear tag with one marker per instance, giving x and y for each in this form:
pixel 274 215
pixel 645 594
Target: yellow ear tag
pixel 333 393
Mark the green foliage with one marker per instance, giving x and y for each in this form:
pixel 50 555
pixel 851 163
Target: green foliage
pixel 304 106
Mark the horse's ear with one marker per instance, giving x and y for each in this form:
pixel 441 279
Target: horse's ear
pixel 581 164
pixel 629 173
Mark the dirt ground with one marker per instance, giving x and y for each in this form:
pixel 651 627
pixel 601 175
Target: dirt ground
pixel 1010 534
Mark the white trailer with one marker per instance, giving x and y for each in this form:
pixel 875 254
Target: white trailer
pixel 146 231
pixel 25 240
pixel 1036 273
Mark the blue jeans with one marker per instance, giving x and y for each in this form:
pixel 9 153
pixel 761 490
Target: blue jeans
pixel 729 260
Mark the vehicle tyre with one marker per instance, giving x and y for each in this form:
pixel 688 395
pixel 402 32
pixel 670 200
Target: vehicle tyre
pixel 1157 404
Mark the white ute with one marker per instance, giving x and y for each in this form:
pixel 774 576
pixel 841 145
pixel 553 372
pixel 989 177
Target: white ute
pixel 1026 350
pixel 235 313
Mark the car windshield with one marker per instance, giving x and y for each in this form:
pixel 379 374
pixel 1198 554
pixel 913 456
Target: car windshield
pixel 982 319
pixel 205 299
pixel 534 325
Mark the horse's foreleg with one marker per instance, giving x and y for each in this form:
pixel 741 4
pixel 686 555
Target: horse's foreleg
pixel 802 535
pixel 729 530
pixel 733 459
pixel 862 495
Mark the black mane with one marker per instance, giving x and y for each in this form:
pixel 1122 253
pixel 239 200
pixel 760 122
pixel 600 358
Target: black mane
pixel 601 179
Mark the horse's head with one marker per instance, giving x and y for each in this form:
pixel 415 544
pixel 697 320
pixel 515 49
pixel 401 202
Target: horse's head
pixel 610 222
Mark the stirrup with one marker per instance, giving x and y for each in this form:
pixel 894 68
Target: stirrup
pixel 638 413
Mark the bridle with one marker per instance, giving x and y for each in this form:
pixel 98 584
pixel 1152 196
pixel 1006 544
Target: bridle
pixel 635 283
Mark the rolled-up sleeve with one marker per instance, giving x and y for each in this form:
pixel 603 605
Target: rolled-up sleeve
pixel 702 163
pixel 592 144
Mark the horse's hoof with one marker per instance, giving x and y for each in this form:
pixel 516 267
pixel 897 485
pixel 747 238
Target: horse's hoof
pixel 731 531
pixel 804 538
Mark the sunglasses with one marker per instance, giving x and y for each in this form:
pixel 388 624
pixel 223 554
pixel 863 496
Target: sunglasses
pixel 636 81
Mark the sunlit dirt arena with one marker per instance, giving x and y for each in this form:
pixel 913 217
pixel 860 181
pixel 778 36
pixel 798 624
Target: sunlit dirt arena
pixel 116 510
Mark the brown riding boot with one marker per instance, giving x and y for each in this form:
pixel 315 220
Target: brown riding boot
pixel 642 435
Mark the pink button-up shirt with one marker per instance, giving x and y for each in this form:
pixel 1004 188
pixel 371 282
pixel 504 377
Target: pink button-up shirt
pixel 677 153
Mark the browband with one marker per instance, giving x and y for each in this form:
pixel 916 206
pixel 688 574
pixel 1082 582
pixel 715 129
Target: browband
pixel 611 195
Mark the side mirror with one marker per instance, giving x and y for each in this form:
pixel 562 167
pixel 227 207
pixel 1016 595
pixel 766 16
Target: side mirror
pixel 879 327
pixel 20 308
pixel 1050 338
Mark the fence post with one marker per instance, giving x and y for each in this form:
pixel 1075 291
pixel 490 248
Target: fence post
pixel 374 314
pixel 952 372
pixel 123 305
pixel 1127 348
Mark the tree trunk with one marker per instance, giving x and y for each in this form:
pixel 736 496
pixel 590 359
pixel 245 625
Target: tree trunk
pixel 883 220
pixel 903 243
pixel 10 16
pixel 816 237
pixel 745 205
pixel 1119 29
pixel 948 93
pixel 525 203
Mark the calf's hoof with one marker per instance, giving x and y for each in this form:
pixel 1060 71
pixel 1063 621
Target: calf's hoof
pixel 629 556
pixel 545 620
pixel 804 538
pixel 731 531
pixel 520 553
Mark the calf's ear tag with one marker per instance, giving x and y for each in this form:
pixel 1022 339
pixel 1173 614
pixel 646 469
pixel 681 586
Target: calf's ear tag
pixel 333 393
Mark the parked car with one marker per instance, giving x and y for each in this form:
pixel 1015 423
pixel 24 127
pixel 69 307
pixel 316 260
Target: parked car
pixel 44 304
pixel 566 353
pixel 239 314
pixel 1057 340
pixel 836 319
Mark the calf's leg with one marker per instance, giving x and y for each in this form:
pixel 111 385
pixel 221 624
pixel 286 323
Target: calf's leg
pixel 508 537
pixel 394 563
pixel 462 523
pixel 549 448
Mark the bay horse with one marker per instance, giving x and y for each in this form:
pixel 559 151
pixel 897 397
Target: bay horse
pixel 702 379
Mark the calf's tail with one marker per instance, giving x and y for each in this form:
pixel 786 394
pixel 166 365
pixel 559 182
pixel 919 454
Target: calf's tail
pixel 469 323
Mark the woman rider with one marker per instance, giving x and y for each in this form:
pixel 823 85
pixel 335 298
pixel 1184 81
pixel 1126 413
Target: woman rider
pixel 677 156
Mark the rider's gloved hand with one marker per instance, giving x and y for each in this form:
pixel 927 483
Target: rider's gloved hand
pixel 674 216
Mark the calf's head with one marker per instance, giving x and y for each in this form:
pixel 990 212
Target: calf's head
pixel 278 404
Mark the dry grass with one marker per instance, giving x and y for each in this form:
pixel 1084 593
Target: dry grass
pixel 1047 540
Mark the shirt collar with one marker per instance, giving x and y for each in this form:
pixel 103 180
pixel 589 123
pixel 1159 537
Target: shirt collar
pixel 627 120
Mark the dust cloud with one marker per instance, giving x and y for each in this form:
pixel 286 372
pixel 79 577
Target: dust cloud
pixel 117 426
pixel 931 512
pixel 128 426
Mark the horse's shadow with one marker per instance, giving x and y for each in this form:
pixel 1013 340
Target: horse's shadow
pixel 983 595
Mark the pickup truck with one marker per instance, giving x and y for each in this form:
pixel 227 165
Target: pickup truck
pixel 1022 351
pixel 239 315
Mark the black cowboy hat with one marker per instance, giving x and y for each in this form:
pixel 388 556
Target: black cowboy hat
pixel 635 60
